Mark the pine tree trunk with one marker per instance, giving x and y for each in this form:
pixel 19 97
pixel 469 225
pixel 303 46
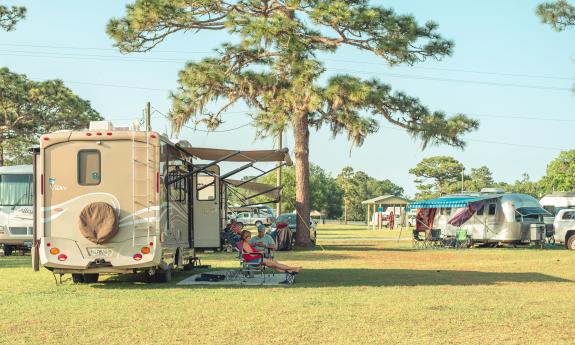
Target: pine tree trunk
pixel 302 195
pixel 1 156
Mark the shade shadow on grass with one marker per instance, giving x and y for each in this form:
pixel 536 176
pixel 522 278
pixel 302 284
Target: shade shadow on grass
pixel 15 262
pixel 320 278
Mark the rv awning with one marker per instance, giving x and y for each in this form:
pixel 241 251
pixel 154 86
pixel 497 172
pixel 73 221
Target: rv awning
pixel 532 211
pixel 241 156
pixel 450 202
pixel 258 188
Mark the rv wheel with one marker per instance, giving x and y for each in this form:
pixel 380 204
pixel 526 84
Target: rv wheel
pixel 77 278
pixel 8 250
pixel 571 243
pixel 163 276
pixel 258 223
pixel 91 278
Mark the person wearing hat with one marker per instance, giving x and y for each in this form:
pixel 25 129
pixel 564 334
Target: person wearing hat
pixel 263 242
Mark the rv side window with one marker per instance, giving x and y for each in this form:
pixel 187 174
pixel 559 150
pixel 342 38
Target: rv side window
pixel 206 193
pixel 178 190
pixel 492 208
pixel 480 211
pixel 89 167
pixel 568 215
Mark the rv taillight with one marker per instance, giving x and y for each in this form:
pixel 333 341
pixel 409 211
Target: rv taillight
pixel 62 257
pixel 46 138
pixel 137 257
pixel 157 182
pixel 48 244
pixel 88 134
pixel 145 250
pixel 42 184
pixel 99 133
pixel 109 133
pixel 151 244
pixel 54 251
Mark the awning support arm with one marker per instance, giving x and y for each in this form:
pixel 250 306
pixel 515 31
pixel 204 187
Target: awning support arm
pixel 195 171
pixel 258 176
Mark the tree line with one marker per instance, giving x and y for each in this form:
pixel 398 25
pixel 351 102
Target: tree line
pixel 336 197
pixel 441 175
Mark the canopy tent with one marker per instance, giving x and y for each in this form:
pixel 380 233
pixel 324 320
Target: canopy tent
pixel 387 201
pixel 240 156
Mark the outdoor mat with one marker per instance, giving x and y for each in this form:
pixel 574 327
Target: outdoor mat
pixel 234 277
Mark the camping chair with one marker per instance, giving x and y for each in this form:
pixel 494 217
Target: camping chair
pixel 461 238
pixel 249 269
pixel 418 242
pixel 433 238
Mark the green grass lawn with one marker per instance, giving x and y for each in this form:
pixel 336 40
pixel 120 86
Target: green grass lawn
pixel 353 289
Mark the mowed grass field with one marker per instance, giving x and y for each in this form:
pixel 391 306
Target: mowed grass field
pixel 358 287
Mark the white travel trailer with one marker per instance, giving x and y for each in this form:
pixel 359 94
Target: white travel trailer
pixel 118 201
pixel 491 217
pixel 16 211
pixel 555 202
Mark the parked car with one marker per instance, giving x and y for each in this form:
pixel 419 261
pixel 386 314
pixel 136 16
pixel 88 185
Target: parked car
pixel 290 219
pixel 252 217
pixel 564 227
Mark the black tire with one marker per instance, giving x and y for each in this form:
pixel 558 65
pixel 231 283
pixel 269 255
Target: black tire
pixel 8 249
pixel 240 224
pixel 163 276
pixel 257 223
pixel 77 278
pixel 91 278
pixel 570 243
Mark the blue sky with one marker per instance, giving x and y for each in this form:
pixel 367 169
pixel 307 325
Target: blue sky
pixel 508 70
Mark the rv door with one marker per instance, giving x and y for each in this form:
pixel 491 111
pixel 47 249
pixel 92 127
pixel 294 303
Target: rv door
pixel 206 208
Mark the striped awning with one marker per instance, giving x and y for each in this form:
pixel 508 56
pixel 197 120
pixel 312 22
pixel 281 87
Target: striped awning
pixel 450 201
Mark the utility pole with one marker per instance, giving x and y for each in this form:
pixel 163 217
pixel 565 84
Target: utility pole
pixel 148 117
pixel 279 175
pixel 462 183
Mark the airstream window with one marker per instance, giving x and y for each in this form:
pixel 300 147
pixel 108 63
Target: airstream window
pixel 492 208
pixel 89 167
pixel 480 211
pixel 568 215
pixel 209 192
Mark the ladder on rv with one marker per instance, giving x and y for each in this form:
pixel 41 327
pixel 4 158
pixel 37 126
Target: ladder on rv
pixel 142 162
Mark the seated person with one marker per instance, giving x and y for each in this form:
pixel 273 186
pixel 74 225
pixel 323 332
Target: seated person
pixel 263 242
pixel 247 249
pixel 234 227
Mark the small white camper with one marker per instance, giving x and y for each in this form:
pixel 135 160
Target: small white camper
pixel 16 212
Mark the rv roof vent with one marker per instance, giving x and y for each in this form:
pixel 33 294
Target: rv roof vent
pixel 122 128
pixel 101 126
pixel 492 190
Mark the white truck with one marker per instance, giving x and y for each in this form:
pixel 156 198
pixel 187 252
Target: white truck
pixel 564 227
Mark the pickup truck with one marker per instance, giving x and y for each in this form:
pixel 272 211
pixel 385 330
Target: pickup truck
pixel 564 228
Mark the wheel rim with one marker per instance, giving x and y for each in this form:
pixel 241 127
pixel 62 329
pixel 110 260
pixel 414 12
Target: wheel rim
pixel 572 245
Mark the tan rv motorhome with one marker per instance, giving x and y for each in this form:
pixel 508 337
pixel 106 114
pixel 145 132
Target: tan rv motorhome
pixel 104 205
pixel 120 201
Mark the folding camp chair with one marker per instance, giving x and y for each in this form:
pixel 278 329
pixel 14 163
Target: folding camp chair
pixel 461 238
pixel 418 242
pixel 249 269
pixel 433 238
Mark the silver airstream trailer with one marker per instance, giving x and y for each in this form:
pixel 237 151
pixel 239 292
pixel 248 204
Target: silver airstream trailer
pixel 491 216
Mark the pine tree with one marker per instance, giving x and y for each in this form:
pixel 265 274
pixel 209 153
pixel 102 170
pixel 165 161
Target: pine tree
pixel 273 67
